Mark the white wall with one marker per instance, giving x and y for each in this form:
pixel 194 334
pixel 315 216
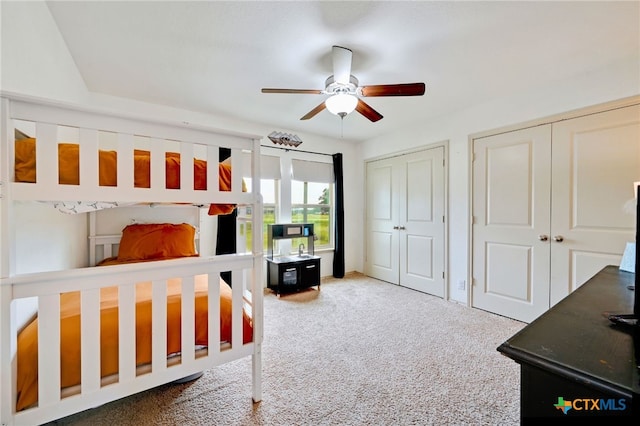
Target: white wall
pixel 47 240
pixel 35 61
pixel 614 82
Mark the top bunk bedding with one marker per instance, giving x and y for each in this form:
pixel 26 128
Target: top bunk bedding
pixel 69 173
pixel 112 160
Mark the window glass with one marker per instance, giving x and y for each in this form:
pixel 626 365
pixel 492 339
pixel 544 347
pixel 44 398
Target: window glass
pixel 268 189
pixel 312 202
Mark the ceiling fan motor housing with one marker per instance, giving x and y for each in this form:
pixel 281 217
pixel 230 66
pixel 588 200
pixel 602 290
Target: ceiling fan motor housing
pixel 332 87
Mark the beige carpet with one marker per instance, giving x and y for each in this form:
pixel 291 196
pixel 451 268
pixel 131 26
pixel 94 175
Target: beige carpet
pixel 357 352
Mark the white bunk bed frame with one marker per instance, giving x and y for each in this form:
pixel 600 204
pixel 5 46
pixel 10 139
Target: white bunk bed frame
pixel 47 286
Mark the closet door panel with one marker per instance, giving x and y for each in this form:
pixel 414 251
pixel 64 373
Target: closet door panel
pixel 382 239
pixel 511 205
pixel 419 261
pixel 422 221
pixel 596 159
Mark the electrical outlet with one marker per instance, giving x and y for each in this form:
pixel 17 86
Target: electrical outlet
pixel 462 285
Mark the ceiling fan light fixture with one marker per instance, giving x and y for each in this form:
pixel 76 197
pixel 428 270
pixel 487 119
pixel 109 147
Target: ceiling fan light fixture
pixel 341 104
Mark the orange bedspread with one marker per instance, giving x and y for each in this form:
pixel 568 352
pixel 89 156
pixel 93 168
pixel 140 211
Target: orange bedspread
pixel 27 362
pixel 69 169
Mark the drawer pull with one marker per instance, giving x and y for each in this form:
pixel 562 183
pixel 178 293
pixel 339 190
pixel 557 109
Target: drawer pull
pixel 310 266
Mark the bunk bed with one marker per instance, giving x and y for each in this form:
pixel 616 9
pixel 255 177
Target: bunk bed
pixel 144 305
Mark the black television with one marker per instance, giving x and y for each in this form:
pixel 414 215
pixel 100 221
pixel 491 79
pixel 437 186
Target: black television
pixel 633 318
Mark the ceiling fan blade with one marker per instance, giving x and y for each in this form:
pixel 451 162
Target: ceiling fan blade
pixel 301 91
pixel 341 64
pixel 314 111
pixel 409 89
pixel 367 111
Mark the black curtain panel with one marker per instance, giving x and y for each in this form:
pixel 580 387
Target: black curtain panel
pixel 338 254
pixel 226 239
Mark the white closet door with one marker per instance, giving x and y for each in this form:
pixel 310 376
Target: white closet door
pixel 570 184
pixel 421 214
pixel 511 204
pixel 383 191
pixel 405 220
pixel 596 160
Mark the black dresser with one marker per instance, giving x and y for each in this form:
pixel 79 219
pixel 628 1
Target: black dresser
pixel 575 363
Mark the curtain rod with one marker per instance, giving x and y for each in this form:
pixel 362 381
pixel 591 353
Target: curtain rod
pixel 296 150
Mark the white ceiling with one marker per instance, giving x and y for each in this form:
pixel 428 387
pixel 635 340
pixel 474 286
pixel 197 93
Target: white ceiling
pixel 214 57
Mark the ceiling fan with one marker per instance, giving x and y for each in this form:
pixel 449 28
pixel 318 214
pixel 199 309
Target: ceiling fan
pixel 345 92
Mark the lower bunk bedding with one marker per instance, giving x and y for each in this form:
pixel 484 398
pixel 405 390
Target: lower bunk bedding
pixel 139 243
pixel 70 333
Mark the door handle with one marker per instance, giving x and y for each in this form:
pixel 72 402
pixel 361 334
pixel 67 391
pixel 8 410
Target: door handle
pixel 558 238
pixel 543 237
pixel 402 228
pixel 396 227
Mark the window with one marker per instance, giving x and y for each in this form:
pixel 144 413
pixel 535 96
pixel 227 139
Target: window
pixel 308 198
pixel 312 199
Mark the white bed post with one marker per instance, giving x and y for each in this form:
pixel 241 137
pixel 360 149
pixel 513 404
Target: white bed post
pixel 5 167
pixel 8 370
pixel 7 158
pixel 257 289
pixel 92 241
pixel 6 367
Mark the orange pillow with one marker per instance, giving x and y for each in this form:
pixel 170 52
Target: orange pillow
pixel 144 241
